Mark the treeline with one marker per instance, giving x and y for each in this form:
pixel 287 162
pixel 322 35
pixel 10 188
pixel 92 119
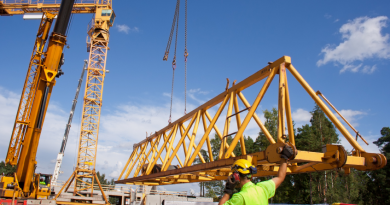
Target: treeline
pixel 358 187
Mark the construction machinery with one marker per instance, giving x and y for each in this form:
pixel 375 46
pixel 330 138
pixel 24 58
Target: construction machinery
pixel 33 92
pixel 44 67
pixel 143 166
pixel 60 155
pixel 84 175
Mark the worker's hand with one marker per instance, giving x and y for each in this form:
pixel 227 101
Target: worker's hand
pixel 230 185
pixel 287 152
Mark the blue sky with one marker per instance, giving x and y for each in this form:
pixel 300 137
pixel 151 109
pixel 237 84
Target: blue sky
pixel 341 48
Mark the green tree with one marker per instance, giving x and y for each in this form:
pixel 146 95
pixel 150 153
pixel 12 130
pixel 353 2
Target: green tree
pixel 271 123
pixel 379 180
pixel 6 169
pixel 315 187
pixel 103 180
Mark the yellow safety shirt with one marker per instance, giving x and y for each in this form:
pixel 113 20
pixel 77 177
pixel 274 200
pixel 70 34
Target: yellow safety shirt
pixel 252 194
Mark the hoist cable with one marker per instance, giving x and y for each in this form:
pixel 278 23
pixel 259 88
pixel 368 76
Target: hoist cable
pixel 165 58
pixel 176 20
pixel 185 61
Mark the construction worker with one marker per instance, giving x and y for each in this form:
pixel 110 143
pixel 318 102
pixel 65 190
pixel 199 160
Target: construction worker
pixel 42 181
pixel 253 194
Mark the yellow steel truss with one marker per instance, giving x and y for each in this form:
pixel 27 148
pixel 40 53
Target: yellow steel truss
pixel 161 146
pixel 84 173
pixel 15 7
pixel 23 121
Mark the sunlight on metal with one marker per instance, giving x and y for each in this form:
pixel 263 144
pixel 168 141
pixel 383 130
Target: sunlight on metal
pixel 267 161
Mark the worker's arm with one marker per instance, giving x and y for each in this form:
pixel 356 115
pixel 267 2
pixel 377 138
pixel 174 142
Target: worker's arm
pixel 229 189
pixel 281 174
pixel 224 199
pixel 286 154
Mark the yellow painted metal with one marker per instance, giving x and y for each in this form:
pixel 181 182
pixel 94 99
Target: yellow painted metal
pixel 98 34
pixel 325 108
pixel 168 151
pixel 281 105
pixel 267 162
pixel 212 123
pixel 23 117
pixel 40 81
pixel 131 158
pixel 162 148
pixel 182 130
pixel 31 112
pixel 209 148
pixel 17 7
pixel 145 157
pixel 227 125
pixel 238 121
pixel 257 120
pixel 342 117
pixel 199 155
pixel 290 126
pixel 251 111
pixel 192 139
pixel 217 130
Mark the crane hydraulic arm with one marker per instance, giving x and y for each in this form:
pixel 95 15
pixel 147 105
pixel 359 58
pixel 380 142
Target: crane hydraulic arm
pixel 44 67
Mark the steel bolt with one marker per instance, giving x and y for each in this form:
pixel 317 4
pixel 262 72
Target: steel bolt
pixel 279 150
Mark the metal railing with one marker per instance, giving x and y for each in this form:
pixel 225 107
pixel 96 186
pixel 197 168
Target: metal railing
pixel 111 188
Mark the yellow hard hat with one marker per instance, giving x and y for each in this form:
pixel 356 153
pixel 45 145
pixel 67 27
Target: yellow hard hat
pixel 243 166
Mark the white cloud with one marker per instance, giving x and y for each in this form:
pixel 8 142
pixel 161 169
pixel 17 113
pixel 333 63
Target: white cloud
pixel 362 40
pixel 336 20
pixel 126 29
pixel 371 147
pixel 328 16
pixel 192 92
pixel 369 69
pixel 351 116
pixel 118 169
pixel 301 115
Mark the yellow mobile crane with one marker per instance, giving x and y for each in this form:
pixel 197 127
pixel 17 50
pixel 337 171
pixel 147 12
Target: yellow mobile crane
pixel 36 94
pixel 32 109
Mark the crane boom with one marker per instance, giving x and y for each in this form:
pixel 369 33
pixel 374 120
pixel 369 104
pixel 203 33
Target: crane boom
pixel 30 117
pixel 67 129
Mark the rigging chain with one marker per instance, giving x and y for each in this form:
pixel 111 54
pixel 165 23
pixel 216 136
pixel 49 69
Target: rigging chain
pixel 165 58
pixel 185 61
pixel 175 21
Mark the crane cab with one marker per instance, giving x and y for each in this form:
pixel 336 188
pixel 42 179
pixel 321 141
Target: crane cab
pixel 42 185
pixel 104 17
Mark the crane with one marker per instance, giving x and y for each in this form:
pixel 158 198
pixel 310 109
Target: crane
pixel 44 67
pixel 143 166
pixel 97 46
pixel 60 155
